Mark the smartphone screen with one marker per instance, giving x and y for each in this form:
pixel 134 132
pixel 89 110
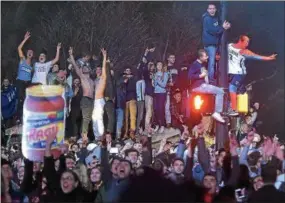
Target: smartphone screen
pixel 114 150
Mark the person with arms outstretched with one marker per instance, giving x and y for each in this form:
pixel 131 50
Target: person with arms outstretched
pixel 238 53
pixel 42 68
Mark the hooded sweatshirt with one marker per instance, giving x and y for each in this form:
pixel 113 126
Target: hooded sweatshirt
pixel 212 31
pixel 8 101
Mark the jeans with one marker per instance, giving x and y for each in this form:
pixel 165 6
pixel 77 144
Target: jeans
pixel 86 105
pixel 236 83
pixel 159 108
pixel 119 124
pixel 167 109
pixel 130 111
pixel 211 89
pixel 110 113
pixel 211 50
pixel 140 111
pixel 149 110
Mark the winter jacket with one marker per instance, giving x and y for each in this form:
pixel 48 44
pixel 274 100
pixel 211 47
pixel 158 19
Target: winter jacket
pixel 8 101
pixel 131 91
pixel 212 31
pixel 147 75
pixel 193 74
pixel 120 94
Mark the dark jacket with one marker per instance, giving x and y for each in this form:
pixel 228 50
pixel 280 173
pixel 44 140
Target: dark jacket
pixel 147 153
pixel 53 176
pixel 77 195
pixel 29 184
pixel 110 90
pixel 131 91
pixel 267 193
pixel 204 160
pixel 76 99
pixel 120 93
pixel 112 188
pixel 8 102
pixel 182 81
pixel 149 89
pixel 212 31
pixel 176 110
pixel 166 157
pixel 193 74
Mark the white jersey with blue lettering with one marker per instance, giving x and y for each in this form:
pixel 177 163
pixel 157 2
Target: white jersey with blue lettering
pixel 41 72
pixel 236 61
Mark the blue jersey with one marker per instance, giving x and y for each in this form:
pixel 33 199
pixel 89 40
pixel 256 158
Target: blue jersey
pixel 24 71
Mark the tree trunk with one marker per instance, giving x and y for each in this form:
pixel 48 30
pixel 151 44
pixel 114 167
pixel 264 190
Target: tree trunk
pixel 166 47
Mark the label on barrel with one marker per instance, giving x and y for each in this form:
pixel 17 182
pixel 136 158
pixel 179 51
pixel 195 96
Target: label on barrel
pixel 44 116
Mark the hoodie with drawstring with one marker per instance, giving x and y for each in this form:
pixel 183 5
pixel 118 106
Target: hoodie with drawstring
pixel 212 30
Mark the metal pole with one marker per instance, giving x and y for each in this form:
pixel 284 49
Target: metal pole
pixel 222 129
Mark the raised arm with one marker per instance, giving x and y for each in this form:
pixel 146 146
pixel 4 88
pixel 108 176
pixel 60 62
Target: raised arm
pixel 245 150
pixel 73 63
pixel 26 185
pixel 20 51
pixel 108 67
pixel 203 155
pixel 145 58
pixel 251 55
pixel 104 64
pixel 49 168
pixel 233 179
pixel 55 60
pixel 102 83
pixel 189 162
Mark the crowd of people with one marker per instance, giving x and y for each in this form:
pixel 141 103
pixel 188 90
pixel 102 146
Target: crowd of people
pixel 112 117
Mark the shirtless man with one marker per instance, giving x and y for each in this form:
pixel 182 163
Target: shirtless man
pixel 238 53
pixel 88 87
pixel 99 103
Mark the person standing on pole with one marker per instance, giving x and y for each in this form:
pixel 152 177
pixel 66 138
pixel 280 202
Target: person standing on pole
pixel 238 53
pixel 211 35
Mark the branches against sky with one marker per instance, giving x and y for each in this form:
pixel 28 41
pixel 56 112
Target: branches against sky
pixel 121 27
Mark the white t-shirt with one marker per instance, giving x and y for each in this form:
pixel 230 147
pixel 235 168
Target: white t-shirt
pixel 236 61
pixel 41 71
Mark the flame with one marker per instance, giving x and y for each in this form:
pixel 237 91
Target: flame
pixel 198 102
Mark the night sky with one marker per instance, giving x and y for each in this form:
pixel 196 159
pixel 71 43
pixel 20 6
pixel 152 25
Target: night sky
pixel 263 21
